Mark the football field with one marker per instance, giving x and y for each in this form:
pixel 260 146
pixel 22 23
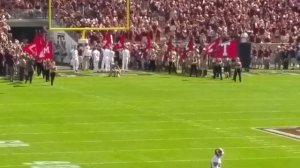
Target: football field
pixel 149 121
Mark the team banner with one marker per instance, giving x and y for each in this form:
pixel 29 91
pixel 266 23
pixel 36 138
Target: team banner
pixel 39 48
pixel 219 49
pixel 227 49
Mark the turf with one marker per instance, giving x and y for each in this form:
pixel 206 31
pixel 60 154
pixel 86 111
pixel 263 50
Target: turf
pixel 150 121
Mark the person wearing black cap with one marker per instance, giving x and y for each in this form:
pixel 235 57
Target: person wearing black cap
pixel 216 161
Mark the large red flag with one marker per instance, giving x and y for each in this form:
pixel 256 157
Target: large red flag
pixel 120 44
pixel 226 49
pixel 46 52
pixel 211 47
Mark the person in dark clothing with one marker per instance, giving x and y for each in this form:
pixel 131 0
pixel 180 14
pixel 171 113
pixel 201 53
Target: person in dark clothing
pixel 1 64
pixel 227 68
pixel 218 69
pixel 237 70
pixel 47 69
pixel 39 67
pixel 9 61
pixel 172 60
pixel 285 59
pixel 194 67
pixel 29 70
pixel 22 67
pixel 52 69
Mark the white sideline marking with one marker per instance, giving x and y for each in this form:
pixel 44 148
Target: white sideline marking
pixel 171 161
pixel 51 164
pixel 146 150
pixel 285 134
pixel 279 133
pixel 12 143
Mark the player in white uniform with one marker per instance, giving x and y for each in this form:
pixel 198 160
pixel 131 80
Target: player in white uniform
pixel 125 59
pixel 96 57
pixel 87 54
pixel 111 57
pixel 105 65
pixel 216 159
pixel 75 58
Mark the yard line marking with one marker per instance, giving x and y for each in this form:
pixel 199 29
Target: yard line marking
pixel 163 121
pixel 136 140
pixel 12 143
pixel 150 114
pixel 143 150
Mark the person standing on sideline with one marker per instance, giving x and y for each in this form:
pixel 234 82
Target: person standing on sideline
pixel 237 69
pixel 47 69
pixel 204 66
pixel 125 58
pixel 105 64
pixel 96 58
pixel 194 66
pixel 75 58
pixel 9 61
pixel 111 57
pixel 53 70
pixel 87 54
pixel 172 60
pixel 29 69
pixel 216 160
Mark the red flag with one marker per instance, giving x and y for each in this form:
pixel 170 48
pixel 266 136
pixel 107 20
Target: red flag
pixel 190 45
pixel 121 43
pixel 107 40
pixel 46 52
pixel 226 49
pixel 148 44
pixel 210 48
pixel 30 49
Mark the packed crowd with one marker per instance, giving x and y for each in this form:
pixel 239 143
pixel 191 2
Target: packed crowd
pixel 25 8
pixel 90 13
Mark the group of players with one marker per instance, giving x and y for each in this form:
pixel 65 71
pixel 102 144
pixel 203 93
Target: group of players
pixel 192 62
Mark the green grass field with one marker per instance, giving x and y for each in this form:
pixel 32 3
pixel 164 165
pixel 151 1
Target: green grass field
pixel 150 121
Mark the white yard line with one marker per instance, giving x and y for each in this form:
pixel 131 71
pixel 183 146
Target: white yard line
pixel 150 122
pixel 169 161
pixel 140 150
pixel 136 140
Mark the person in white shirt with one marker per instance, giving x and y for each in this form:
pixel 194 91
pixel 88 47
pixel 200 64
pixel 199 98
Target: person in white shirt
pixel 125 58
pixel 87 54
pixel 112 57
pixel 105 65
pixel 216 161
pixel 75 58
pixel 244 37
pixel 96 58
